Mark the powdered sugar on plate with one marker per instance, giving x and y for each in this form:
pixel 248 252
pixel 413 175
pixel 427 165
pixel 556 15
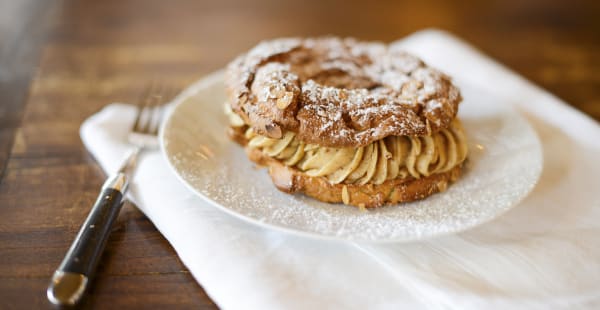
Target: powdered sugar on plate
pixel 504 164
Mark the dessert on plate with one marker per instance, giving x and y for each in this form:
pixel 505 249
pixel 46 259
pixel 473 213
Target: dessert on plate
pixel 344 121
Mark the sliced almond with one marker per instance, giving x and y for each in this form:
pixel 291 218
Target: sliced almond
pixel 345 195
pixel 285 100
pixel 273 131
pixel 442 185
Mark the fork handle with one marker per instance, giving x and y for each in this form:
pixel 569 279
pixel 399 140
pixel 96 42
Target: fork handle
pixel 71 279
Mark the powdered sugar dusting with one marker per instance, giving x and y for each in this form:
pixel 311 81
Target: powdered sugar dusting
pixel 502 169
pixel 355 92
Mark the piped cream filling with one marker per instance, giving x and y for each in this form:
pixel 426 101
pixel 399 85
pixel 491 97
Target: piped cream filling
pixel 385 159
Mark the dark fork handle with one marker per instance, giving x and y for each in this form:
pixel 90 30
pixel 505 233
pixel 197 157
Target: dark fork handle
pixel 72 277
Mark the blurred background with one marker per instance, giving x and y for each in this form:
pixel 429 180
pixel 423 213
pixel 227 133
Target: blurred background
pixel 61 61
pixel 551 42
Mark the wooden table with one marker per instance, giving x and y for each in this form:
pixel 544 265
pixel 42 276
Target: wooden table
pixel 62 61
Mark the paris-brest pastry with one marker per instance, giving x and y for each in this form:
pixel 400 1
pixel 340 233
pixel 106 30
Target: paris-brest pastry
pixel 344 121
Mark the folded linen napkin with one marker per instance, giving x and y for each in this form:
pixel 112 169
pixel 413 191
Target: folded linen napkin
pixel 544 253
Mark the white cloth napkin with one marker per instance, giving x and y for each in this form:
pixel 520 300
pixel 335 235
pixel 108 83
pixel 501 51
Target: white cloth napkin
pixel 544 253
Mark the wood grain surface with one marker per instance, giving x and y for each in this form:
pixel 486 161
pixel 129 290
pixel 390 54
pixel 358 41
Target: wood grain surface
pixel 62 61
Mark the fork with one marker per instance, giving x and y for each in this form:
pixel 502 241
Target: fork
pixel 70 280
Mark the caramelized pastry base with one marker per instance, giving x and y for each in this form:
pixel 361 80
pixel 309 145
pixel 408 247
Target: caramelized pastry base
pixel 290 180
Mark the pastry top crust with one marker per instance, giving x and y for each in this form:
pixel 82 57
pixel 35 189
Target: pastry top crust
pixel 339 92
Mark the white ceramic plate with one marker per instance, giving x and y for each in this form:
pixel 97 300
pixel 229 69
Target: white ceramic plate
pixel 504 164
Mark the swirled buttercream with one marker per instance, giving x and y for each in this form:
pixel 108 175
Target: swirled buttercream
pixel 385 159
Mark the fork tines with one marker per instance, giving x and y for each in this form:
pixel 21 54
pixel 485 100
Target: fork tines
pixel 150 107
